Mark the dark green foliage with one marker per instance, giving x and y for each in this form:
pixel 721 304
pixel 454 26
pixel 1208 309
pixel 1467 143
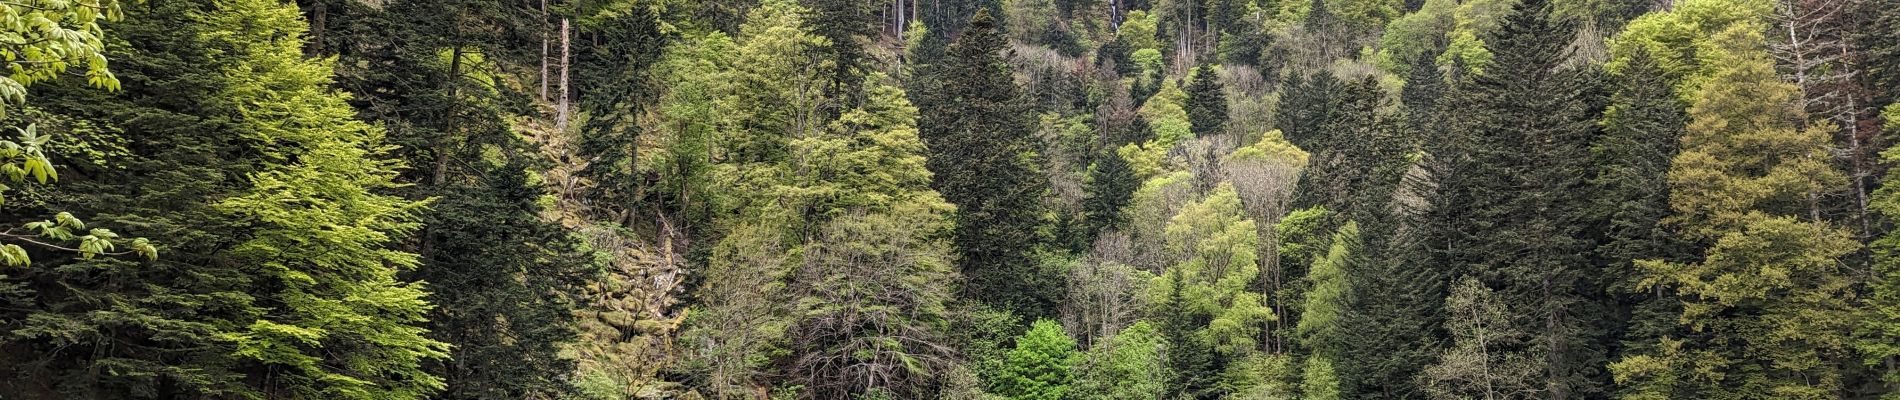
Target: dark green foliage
pixel 1110 186
pixel 1307 105
pixel 982 158
pixel 1879 35
pixel 1642 127
pixel 1192 362
pixel 154 324
pixel 611 83
pixel 1206 103
pixel 849 26
pixel 1359 152
pixel 1529 124
pixel 502 276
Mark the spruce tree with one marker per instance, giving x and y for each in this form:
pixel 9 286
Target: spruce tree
pixel 1111 185
pixel 611 75
pixel 1878 333
pixel 1529 125
pixel 154 326
pixel 1630 195
pixel 504 278
pixel 981 155
pixel 1879 35
pixel 1206 103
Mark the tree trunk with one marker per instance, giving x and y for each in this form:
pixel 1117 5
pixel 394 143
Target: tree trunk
pixel 561 110
pixel 544 50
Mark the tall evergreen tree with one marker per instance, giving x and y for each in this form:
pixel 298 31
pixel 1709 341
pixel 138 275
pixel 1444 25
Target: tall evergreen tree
pixel 611 71
pixel 982 156
pixel 1522 235
pixel 1630 190
pixel 154 327
pixel 1207 102
pixel 1878 334
pixel 1111 185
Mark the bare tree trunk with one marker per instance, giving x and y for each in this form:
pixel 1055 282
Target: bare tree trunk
pixel 561 110
pixel 320 13
pixel 544 50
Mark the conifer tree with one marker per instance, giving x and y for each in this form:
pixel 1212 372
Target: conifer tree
pixel 871 303
pixel 1878 336
pixel 611 72
pixel 342 326
pixel 153 328
pixel 1630 190
pixel 503 277
pixel 1207 102
pixel 981 155
pixel 1326 300
pixel 1522 234
pixel 1111 185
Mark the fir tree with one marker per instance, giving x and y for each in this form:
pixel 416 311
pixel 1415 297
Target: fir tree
pixel 981 155
pixel 1630 192
pixel 1206 103
pixel 1110 186
pixel 1522 236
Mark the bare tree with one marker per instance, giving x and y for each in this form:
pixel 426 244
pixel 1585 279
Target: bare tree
pixel 1813 52
pixel 1265 186
pixel 1104 290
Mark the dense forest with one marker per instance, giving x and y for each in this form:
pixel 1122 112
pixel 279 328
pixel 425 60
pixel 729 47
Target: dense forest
pixel 950 199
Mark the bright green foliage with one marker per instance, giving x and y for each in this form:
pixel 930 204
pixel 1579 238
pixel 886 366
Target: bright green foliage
pixel 345 328
pixel 1331 289
pixel 46 37
pixel 831 264
pixel 1219 247
pixel 1450 32
pixel 1038 368
pixel 873 292
pixel 24 159
pixel 1684 40
pixel 109 327
pixel 1879 331
pixel 1261 376
pixel 1769 303
pixel 982 154
pixel 1132 365
pixel 1319 381
pixel 1206 102
pixel 502 276
pixel 1360 14
pixel 43 39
